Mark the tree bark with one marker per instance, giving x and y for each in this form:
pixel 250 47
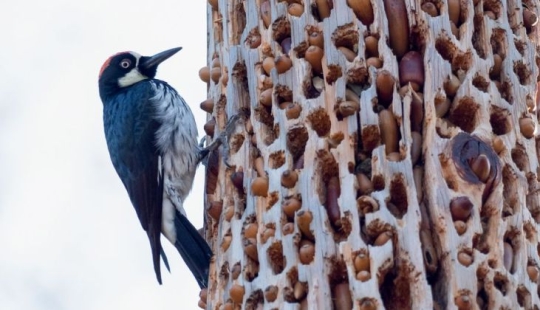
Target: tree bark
pixel 388 160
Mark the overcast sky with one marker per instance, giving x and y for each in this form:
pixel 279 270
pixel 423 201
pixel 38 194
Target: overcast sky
pixel 69 237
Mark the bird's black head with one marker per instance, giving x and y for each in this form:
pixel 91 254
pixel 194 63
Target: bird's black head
pixel 127 68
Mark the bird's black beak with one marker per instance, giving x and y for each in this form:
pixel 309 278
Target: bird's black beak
pixel 149 64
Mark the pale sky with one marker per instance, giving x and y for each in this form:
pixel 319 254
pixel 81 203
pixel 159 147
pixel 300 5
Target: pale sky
pixel 69 237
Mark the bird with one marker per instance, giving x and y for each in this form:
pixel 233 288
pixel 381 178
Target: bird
pixel 151 137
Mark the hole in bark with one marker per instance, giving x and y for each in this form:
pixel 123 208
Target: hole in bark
pixel 446 48
pixel 320 13
pixel 236 143
pixel 523 73
pixel 334 73
pixel 398 196
pixel 310 91
pixel 463 114
pixel 396 289
pixel 320 121
pixel 224 272
pixel 251 270
pixel 346 36
pixel 255 300
pixel 500 120
pixel 297 138
pixel 238 23
pixel 501 283
pixel 276 159
pixel 530 231
pixel 371 137
pixel 521 46
pixel 478 37
pixel 264 115
pixel 520 158
pixel 378 182
pixel 481 83
pixel 300 49
pixel 498 42
pixel 505 89
pixel 273 198
pixel 492 6
pixel 283 94
pixel 510 192
pixel 253 39
pixel 281 29
pixel 511 238
pixel 276 259
pixel 524 297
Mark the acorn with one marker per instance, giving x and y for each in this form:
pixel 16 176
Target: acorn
pixel 204 74
pixel 461 208
pixel 314 56
pixel 236 292
pixel 295 9
pixel 289 178
pixel 306 251
pixel 266 13
pixel 259 186
pixel 282 64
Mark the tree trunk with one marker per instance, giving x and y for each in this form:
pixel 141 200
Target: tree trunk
pixel 398 171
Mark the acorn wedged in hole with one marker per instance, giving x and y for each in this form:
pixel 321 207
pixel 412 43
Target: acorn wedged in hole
pixel 411 70
pixel 314 56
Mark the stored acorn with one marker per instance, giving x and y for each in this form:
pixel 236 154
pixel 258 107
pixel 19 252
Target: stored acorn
pixel 237 179
pixel 430 9
pixel 508 256
pixel 495 71
pixel 293 110
pixel 527 127
pixel 314 56
pixel 250 248
pixel 209 127
pixel 300 290
pixel 481 167
pixel 204 74
pixel 228 213
pixel 366 204
pixel 259 186
pixel 367 304
pixel 208 105
pixel 451 85
pixel 416 146
pixel 342 297
pixel 306 251
pixel 385 84
pixel 270 293
pixel 348 108
pixel 290 206
pixel 398 26
pixel 266 13
pixel 460 226
pixel 283 63
pixel 365 186
pixel 215 209
pixel 411 70
pixel 383 238
pixel 460 208
pixel 268 233
pixel 361 262
pixel 287 229
pixel 295 9
pixel 289 178
pixel 215 74
pixel 533 272
pixel 226 242
pixel 372 46
pixel 465 258
pixel 324 7
pixel 389 131
pixel 286 45
pixel 333 191
pixel 250 230
pixel 363 10
pixel 303 220
pixel 349 55
pixel 268 64
pixel 375 62
pixel 454 10
pixel 316 38
pixel 236 292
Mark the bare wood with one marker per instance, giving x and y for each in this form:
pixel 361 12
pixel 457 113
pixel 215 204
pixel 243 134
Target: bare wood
pixel 409 236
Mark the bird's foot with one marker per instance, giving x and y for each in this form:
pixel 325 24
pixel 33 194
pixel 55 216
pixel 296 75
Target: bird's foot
pixel 222 139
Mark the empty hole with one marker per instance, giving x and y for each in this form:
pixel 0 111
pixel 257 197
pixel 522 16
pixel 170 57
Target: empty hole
pixel 501 283
pixel 446 48
pixel 283 94
pixel 236 143
pixel 309 90
pixel 398 196
pixel 255 300
pixel 498 42
pixel 478 37
pixel 523 73
pixel 520 158
pixel 238 23
pixel 378 182
pixel 276 259
pixel 276 159
pixel 524 297
pixel 371 137
pixel 320 121
pixel 520 46
pixel 346 36
pixel 510 191
pixel 464 114
pixel 499 120
pixel 297 138
pixel 396 289
pixel 281 29
pixel 481 83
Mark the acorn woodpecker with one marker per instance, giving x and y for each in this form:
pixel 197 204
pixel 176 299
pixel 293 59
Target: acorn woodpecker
pixel 152 139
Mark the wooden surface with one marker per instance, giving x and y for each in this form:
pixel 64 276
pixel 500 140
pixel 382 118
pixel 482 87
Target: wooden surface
pixel 400 277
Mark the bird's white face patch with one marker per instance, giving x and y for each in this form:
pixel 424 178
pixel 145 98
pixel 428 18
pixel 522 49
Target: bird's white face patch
pixel 132 76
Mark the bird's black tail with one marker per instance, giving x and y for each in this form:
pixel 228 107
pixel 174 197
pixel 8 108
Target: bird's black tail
pixel 193 249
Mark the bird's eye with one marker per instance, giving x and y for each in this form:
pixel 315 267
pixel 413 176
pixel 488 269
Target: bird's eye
pixel 125 63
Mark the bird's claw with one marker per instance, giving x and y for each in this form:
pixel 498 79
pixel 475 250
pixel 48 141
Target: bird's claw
pixel 222 139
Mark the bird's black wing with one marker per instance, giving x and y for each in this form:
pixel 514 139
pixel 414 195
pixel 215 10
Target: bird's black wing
pixel 130 132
